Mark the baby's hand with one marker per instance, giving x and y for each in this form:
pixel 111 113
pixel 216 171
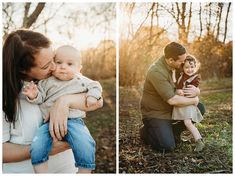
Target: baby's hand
pixel 30 90
pixel 91 101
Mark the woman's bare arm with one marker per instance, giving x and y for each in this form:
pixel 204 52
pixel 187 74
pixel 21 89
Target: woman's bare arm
pixel 17 152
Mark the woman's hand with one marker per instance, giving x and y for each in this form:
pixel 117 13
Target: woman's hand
pixel 58 116
pixel 59 112
pixel 59 146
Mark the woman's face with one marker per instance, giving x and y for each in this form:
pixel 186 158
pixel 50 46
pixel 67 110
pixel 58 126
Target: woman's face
pixel 44 61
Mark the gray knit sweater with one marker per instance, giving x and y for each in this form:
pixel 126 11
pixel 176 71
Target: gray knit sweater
pixel 51 89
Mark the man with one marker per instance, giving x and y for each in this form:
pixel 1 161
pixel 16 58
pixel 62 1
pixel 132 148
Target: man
pixel 159 97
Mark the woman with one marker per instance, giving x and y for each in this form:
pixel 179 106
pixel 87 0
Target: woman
pixel 27 56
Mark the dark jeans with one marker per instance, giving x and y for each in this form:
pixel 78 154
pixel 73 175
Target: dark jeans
pixel 162 134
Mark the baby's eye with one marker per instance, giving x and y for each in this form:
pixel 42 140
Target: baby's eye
pixel 58 62
pixel 70 64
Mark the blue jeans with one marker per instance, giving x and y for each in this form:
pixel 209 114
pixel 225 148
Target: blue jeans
pixel 78 137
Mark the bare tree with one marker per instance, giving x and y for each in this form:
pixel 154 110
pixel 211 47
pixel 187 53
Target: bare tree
pixel 220 6
pixel 200 20
pixel 151 24
pixel 8 11
pixel 226 22
pixel 208 21
pixel 179 14
pixel 11 9
pixel 29 19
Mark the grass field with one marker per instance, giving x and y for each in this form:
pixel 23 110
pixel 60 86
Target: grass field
pixel 216 129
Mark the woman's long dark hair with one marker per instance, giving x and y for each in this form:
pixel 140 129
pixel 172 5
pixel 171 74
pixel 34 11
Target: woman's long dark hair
pixel 18 58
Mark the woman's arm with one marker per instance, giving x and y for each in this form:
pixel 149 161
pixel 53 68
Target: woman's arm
pixel 16 152
pixel 59 113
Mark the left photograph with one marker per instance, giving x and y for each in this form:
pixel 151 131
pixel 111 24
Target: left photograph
pixel 59 87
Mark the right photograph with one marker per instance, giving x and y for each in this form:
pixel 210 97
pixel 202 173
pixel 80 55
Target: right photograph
pixel 175 87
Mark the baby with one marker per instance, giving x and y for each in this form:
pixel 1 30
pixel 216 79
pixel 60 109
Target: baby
pixel 66 79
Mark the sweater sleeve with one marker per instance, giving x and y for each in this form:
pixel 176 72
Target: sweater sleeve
pixel 41 93
pixel 94 88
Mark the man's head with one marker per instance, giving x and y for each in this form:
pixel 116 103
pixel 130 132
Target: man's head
pixel 175 54
pixel 68 62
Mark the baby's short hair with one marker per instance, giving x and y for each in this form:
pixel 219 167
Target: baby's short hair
pixel 72 50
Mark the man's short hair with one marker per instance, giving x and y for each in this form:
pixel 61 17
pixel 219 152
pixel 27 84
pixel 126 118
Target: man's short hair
pixel 173 50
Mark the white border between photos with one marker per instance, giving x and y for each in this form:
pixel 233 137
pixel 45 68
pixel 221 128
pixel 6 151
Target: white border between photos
pixel 117 70
pixel 1 87
pixel 117 88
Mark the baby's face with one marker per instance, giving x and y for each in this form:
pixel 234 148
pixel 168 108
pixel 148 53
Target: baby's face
pixel 67 66
pixel 189 68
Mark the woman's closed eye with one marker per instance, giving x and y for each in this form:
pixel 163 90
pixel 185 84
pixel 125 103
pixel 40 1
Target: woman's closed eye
pixel 58 62
pixel 46 67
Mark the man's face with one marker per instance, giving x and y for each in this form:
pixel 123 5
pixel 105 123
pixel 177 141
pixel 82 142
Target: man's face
pixel 177 64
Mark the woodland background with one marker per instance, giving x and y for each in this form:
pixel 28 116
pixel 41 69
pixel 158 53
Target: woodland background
pixel 205 29
pixel 90 27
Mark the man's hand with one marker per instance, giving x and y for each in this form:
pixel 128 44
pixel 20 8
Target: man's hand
pixel 191 91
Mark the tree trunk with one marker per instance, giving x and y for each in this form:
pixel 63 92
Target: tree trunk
pixel 183 34
pixel 151 27
pixel 208 24
pixel 226 22
pixel 29 20
pixel 219 20
pixel 200 18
